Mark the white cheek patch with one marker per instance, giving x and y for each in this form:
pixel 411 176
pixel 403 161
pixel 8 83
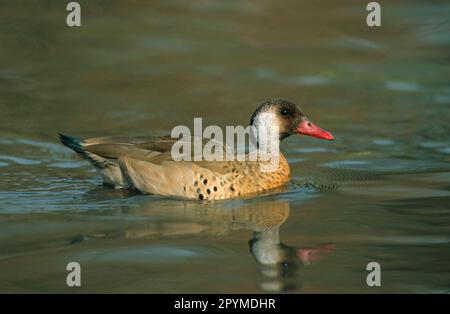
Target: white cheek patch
pixel 268 137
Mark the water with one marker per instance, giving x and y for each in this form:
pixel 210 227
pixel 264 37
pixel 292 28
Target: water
pixel 379 192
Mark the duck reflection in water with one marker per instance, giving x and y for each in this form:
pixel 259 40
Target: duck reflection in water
pixel 279 263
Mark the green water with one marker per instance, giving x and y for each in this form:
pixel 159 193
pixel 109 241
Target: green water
pixel 379 192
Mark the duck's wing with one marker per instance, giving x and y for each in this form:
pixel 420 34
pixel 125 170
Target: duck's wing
pixel 103 152
pixel 113 148
pixel 155 149
pixel 141 147
pixel 131 140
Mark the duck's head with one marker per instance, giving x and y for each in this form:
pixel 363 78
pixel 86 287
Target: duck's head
pixel 289 118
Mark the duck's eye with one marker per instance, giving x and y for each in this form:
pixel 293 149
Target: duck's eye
pixel 284 112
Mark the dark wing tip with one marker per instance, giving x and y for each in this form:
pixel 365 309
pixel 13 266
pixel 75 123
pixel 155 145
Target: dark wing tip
pixel 71 142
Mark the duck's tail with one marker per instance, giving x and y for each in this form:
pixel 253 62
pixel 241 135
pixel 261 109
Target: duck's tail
pixel 78 146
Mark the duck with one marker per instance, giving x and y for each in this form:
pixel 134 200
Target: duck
pixel 145 163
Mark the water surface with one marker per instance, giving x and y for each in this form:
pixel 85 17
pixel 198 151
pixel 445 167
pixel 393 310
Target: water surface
pixel 379 192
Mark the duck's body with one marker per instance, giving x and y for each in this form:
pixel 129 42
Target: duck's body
pixel 146 163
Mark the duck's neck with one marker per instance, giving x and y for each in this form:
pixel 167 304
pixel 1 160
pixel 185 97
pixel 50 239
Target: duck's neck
pixel 267 137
